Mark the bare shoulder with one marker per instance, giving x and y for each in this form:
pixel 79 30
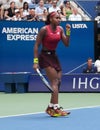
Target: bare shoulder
pixel 42 32
pixel 62 30
pixel 43 29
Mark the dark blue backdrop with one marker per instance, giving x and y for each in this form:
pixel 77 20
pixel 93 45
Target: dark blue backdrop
pixel 17 55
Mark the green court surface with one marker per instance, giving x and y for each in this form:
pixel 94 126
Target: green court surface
pixel 24 103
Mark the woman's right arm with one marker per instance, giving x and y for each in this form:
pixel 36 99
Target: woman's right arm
pixel 39 39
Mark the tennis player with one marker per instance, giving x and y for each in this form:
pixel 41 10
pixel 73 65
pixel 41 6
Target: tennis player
pixel 49 37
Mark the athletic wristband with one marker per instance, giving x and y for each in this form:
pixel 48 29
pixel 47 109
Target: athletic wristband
pixel 67 32
pixel 35 61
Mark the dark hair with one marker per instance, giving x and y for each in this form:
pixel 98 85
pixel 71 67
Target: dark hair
pixel 89 59
pixel 98 57
pixel 65 1
pixel 48 17
pixel 0 5
pixel 25 4
pixel 47 20
pixel 12 2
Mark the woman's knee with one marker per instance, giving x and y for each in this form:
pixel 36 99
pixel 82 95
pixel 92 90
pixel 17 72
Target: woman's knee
pixel 55 84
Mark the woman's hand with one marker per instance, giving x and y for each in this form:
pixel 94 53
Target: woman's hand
pixel 68 29
pixel 35 66
pixel 68 26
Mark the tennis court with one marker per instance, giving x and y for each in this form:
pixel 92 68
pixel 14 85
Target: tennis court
pixel 26 111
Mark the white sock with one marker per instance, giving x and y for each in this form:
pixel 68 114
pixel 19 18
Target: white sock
pixel 51 105
pixel 56 106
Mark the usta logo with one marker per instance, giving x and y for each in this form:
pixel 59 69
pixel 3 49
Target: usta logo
pixel 79 26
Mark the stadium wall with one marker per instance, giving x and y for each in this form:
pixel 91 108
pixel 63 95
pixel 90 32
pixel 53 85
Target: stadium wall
pixel 18 38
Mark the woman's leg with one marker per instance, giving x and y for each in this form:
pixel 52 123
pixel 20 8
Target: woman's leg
pixel 55 78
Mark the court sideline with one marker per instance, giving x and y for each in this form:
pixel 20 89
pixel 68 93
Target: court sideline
pixel 23 103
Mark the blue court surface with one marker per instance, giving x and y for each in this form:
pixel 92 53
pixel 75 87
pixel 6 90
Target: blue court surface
pixel 80 119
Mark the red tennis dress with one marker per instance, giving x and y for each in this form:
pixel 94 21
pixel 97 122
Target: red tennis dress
pixel 49 57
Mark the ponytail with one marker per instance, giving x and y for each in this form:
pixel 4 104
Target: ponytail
pixel 48 19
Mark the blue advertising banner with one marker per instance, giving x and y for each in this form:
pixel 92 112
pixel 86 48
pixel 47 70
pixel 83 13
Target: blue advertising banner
pixel 17 40
pixel 81 83
pixel 70 83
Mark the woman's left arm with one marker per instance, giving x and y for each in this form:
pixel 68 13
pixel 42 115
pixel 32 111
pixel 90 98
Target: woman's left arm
pixel 66 37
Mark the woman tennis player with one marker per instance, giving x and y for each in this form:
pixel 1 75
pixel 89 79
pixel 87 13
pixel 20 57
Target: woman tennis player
pixel 49 36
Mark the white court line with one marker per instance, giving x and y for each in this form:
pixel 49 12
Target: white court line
pixel 77 108
pixel 76 68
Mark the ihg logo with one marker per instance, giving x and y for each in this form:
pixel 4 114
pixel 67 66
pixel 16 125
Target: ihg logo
pixel 86 83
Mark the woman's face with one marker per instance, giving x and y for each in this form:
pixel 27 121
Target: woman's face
pixel 55 19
